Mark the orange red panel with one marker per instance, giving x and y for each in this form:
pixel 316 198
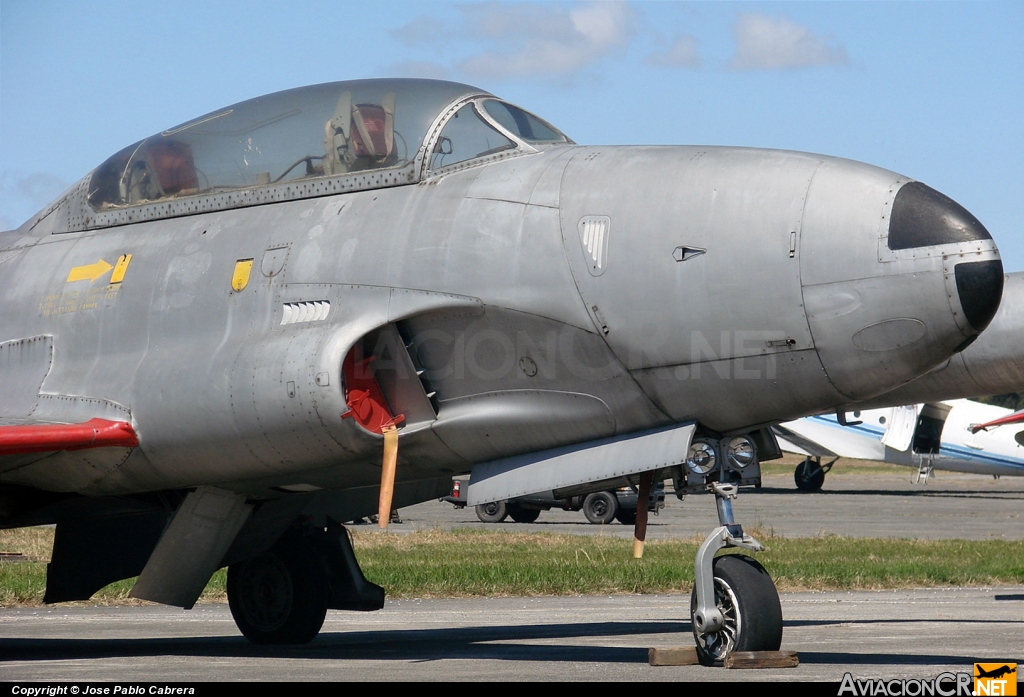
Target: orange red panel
pixel 38 438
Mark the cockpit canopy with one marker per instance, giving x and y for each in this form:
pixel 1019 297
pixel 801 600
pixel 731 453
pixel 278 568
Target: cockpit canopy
pixel 380 129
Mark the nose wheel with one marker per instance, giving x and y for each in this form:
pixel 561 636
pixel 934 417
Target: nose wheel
pixel 751 613
pixel 734 605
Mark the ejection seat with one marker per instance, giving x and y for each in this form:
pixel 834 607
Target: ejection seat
pixel 360 136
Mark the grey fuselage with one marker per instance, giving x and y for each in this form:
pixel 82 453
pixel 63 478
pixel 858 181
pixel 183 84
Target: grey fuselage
pixel 992 365
pixel 556 295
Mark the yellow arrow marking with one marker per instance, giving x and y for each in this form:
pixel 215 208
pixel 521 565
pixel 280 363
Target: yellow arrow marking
pixel 89 272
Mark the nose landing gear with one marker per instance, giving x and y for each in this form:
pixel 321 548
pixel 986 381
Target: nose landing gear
pixel 734 605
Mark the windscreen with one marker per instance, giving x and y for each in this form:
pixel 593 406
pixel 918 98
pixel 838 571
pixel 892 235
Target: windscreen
pixel 467 136
pixel 523 124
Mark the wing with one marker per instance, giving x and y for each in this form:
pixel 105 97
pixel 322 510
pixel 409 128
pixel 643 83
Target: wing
pixel 824 436
pixel 792 442
pixel 63 457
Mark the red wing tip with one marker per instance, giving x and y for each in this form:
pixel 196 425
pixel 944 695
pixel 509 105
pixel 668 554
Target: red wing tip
pixel 94 433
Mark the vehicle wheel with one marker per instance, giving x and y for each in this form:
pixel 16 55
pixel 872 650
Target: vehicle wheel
pixel 279 596
pixel 523 515
pixel 493 512
pixel 626 517
pixel 600 507
pixel 809 475
pixel 747 598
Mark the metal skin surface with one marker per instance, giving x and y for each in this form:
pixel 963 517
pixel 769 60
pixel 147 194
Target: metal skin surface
pixel 992 365
pixel 526 300
pixel 204 369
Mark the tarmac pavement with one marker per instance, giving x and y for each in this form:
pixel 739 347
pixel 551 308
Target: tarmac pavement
pixel 881 634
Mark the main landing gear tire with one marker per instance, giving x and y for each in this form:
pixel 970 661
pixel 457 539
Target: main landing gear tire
pixel 523 515
pixel 749 603
pixel 493 512
pixel 280 596
pixel 809 475
pixel 600 508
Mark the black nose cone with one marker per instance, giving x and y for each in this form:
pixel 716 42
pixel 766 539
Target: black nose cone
pixel 922 217
pixel 980 287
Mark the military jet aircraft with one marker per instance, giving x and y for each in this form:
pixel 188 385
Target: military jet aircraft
pixel 929 423
pixel 324 302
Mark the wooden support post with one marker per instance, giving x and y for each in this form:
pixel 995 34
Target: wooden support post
pixel 387 475
pixel 673 656
pixel 643 498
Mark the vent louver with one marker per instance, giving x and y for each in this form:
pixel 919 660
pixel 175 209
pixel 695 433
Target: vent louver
pixel 295 313
pixel 594 231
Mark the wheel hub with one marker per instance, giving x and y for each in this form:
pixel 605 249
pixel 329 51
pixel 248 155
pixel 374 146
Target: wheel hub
pixel 717 644
pixel 265 592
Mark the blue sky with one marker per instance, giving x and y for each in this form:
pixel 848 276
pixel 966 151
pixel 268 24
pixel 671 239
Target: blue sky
pixel 933 90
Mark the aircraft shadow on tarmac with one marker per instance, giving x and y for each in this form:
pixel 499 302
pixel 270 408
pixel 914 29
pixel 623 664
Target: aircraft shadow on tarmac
pixel 405 645
pixel 440 644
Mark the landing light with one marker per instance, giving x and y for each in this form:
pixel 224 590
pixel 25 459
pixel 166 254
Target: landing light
pixel 701 457
pixel 740 452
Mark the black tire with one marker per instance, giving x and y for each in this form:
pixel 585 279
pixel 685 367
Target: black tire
pixel 493 512
pixel 626 517
pixel 280 596
pixel 746 595
pixel 523 515
pixel 809 476
pixel 600 507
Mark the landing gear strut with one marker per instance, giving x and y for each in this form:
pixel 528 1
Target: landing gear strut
pixel 734 605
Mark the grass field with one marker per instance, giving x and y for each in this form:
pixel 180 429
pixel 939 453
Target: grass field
pixel 468 563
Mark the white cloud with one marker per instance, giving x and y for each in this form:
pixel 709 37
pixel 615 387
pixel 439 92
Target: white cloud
pixel 544 41
pixel 765 43
pixel 22 194
pixel 682 53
